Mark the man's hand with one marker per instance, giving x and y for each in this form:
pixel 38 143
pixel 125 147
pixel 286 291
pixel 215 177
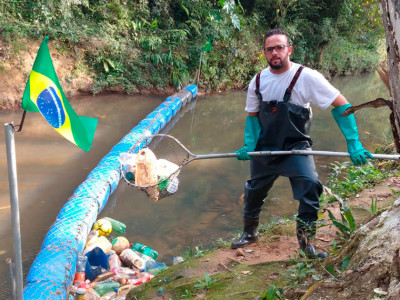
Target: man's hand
pixel 252 132
pixel 242 154
pixel 358 154
pixel 348 126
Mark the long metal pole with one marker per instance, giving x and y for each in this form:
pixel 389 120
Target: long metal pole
pixel 12 278
pixel 12 180
pixel 293 152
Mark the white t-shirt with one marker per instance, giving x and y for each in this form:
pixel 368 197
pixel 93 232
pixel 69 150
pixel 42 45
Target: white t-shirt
pixel 310 88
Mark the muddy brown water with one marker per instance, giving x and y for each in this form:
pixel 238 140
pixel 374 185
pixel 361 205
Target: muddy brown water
pixel 207 205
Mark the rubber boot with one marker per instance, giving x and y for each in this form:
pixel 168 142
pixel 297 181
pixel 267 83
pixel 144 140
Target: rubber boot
pixel 304 236
pixel 250 234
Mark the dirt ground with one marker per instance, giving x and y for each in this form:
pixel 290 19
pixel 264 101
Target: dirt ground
pixel 282 244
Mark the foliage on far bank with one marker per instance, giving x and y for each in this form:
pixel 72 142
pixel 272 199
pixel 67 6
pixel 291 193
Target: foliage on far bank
pixel 157 43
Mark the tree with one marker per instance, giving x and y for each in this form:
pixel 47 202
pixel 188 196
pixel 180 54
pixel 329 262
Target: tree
pixel 373 252
pixel 391 23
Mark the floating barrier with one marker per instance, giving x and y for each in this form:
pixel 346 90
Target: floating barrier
pixel 53 269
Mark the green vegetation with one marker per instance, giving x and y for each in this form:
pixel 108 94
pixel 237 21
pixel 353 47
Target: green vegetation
pixel 347 225
pixel 206 283
pixel 198 251
pixel 271 294
pixel 157 43
pixel 374 204
pixel 300 270
pixel 346 180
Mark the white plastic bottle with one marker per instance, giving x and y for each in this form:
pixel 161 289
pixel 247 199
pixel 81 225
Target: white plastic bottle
pixel 177 259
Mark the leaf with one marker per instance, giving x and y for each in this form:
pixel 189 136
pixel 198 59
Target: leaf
pixel 350 220
pixel 110 63
pixel 105 65
pixel 331 270
pixel 185 9
pixel 345 263
pixel 342 227
pixel 229 6
pixel 302 253
pixel 315 277
pixel 235 21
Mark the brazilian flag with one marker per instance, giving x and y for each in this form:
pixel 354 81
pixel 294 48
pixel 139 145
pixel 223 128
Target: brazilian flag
pixel 43 93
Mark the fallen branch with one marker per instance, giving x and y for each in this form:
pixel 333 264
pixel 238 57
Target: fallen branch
pixel 378 102
pixel 225 267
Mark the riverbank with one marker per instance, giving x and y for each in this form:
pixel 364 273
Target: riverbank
pixel 75 81
pixel 273 267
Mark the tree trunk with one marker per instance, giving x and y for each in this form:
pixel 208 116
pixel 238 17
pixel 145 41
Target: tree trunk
pixel 374 268
pixel 391 21
pixel 374 250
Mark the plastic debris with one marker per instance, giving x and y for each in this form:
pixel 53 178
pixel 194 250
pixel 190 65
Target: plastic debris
pixel 105 273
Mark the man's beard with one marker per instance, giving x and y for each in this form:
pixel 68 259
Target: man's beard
pixel 278 66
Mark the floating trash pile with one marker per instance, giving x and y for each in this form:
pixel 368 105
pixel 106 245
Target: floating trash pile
pixel 110 269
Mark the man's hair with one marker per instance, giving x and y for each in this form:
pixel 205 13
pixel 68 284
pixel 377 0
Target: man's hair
pixel 275 32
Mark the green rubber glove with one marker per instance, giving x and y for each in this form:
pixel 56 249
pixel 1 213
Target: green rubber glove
pixel 252 132
pixel 348 126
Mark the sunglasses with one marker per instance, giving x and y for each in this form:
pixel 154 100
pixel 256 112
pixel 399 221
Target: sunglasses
pixel 278 48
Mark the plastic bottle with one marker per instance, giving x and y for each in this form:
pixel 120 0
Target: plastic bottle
pixel 162 186
pixel 80 269
pixel 144 257
pixel 105 277
pixel 103 288
pixel 117 225
pixel 101 242
pixel 80 294
pixel 177 260
pixel 172 186
pixel 154 267
pixel 91 295
pixel 142 278
pixel 123 291
pixel 109 295
pixel 132 258
pixel 92 237
pixel 145 250
pixel 113 260
pixel 126 273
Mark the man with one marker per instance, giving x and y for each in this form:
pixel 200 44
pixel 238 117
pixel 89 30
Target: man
pixel 279 118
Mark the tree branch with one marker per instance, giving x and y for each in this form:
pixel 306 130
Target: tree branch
pixel 378 102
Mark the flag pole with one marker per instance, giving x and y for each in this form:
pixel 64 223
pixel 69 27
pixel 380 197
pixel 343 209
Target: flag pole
pixel 12 277
pixel 13 184
pixel 21 124
pixel 198 72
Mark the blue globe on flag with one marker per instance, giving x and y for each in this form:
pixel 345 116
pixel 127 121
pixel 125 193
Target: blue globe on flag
pixel 50 106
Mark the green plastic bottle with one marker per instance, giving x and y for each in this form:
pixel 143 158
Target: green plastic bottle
pixel 117 225
pixel 145 250
pixel 163 184
pixel 104 288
